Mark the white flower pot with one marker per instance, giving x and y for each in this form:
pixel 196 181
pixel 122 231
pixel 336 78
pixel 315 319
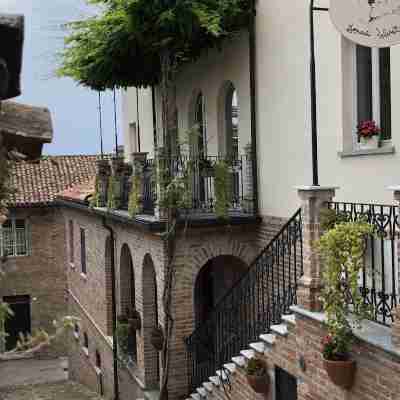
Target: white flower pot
pixel 369 143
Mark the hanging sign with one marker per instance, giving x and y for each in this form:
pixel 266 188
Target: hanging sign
pixel 371 23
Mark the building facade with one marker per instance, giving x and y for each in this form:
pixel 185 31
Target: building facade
pixel 237 284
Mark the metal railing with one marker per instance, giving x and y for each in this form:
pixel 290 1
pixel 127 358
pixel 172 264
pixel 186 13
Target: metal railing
pixel 379 278
pixel 256 302
pixel 202 182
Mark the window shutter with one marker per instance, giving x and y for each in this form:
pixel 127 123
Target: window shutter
pixel 385 93
pixel 83 251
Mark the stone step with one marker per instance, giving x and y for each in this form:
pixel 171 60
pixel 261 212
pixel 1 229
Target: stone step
pixel 240 361
pixel 215 380
pixel 208 386
pixel 195 396
pixel 202 392
pixel 268 338
pixel 289 319
pixel 259 347
pixel 248 354
pixel 280 329
pixel 223 375
pixel 230 367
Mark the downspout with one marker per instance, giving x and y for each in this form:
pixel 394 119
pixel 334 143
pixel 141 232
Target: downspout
pixel 114 310
pixel 253 103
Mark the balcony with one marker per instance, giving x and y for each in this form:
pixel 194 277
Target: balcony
pixel 199 189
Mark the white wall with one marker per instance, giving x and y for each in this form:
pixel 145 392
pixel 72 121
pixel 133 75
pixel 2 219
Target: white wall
pixel 129 116
pixel 283 107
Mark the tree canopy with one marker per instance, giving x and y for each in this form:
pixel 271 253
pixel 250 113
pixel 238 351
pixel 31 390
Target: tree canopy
pixel 124 43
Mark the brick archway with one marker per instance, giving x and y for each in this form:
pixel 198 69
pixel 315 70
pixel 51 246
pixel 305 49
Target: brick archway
pixel 212 283
pixel 127 295
pixel 150 320
pixel 108 285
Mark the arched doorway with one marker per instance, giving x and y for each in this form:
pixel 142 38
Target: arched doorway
pixel 214 280
pixel 109 248
pixel 150 320
pixel 127 295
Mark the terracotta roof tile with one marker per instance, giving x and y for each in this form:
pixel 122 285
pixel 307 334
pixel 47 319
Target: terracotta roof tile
pixel 39 182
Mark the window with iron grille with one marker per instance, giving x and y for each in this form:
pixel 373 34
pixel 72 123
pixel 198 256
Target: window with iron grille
pixel 14 238
pixel 83 251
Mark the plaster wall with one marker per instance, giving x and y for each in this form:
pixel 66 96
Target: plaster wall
pixel 283 108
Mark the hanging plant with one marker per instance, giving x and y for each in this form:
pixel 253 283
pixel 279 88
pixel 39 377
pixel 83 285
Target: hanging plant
pixel 134 205
pixel 95 199
pixel 342 251
pixel 223 189
pixel 257 375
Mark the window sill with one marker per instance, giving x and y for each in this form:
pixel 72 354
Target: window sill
pixel 72 265
pixel 85 351
pixel 83 276
pixel 76 336
pixel 373 152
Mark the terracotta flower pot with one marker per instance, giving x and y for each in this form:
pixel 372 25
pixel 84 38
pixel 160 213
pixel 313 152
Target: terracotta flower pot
pixel 341 373
pixel 157 338
pixel 134 321
pixel 260 384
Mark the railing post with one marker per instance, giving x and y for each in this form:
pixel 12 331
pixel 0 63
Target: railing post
pixel 161 169
pixel 313 200
pixel 396 312
pixel 103 174
pixel 248 195
pixel 138 165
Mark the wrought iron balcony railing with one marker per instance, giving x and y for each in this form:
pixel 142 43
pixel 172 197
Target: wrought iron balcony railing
pixel 379 278
pixel 203 183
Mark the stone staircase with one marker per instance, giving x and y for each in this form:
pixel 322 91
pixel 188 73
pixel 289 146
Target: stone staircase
pixel 267 342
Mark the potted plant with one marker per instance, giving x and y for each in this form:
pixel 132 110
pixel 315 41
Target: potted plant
pixel 368 134
pixel 157 338
pixel 342 251
pixel 257 375
pixel 134 320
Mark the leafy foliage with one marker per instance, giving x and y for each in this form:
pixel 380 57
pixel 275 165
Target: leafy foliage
pixel 95 199
pixel 134 196
pixel 342 250
pixel 256 367
pixel 329 218
pixel 113 189
pixel 124 43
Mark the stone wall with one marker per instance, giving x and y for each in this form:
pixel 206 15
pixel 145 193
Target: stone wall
pixel 41 274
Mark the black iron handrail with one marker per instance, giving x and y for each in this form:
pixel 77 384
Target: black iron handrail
pixel 255 302
pixel 379 278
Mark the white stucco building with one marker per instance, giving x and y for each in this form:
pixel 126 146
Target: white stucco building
pixel 353 84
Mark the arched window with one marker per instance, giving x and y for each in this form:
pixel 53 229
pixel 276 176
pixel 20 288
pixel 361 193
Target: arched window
pixel 232 122
pixel 199 120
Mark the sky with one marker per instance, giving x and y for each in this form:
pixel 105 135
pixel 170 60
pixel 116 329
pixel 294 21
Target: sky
pixel 74 109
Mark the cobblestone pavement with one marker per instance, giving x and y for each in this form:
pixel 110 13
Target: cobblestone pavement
pixel 49 391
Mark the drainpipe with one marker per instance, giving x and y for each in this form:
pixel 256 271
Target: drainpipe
pixel 253 103
pixel 114 310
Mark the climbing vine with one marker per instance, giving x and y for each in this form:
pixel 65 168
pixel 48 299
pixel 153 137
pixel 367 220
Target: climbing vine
pixel 223 189
pixel 113 193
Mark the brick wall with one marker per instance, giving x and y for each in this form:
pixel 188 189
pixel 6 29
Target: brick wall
pixel 148 256
pixel 41 275
pixel 377 377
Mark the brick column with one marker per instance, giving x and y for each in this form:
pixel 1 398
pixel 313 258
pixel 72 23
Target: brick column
pixel 103 174
pixel 138 164
pixel 396 312
pixel 313 200
pixel 247 171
